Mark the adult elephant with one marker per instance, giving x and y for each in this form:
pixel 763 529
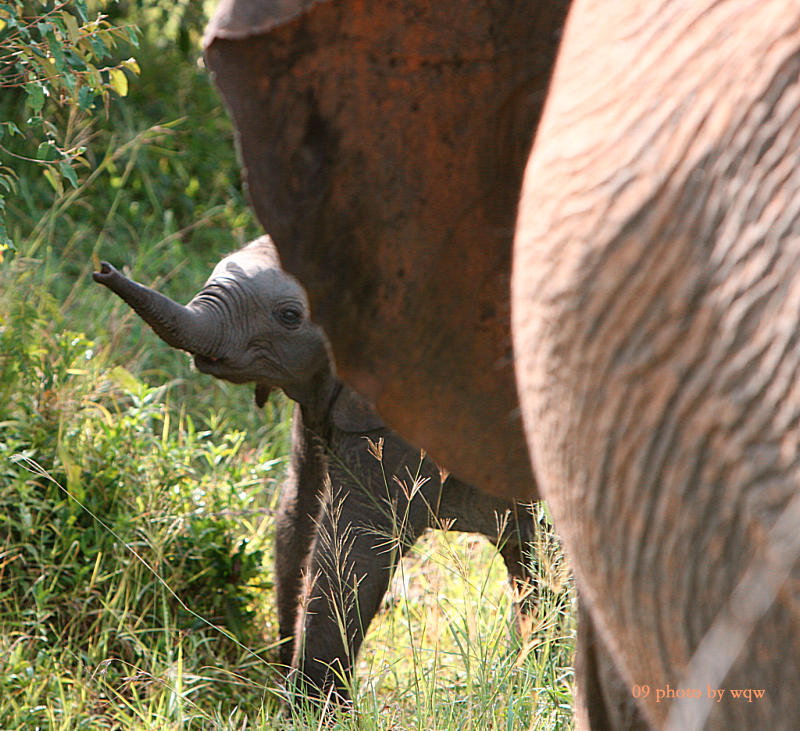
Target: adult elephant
pixel 383 146
pixel 655 293
pixel 656 301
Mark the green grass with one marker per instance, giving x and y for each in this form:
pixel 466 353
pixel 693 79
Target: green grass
pixel 137 497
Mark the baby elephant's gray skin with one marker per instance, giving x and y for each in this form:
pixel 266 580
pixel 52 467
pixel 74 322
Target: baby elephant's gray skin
pixel 378 495
pixel 357 496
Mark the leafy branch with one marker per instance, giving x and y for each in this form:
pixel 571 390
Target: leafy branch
pixel 61 63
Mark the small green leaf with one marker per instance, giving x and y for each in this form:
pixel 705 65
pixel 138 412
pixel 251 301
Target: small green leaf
pixel 47 152
pixel 98 47
pixel 133 38
pixel 68 173
pixel 36 51
pixel 119 81
pixel 35 96
pixel 55 50
pixel 80 6
pixel 75 60
pixel 51 179
pixel 72 27
pixel 85 98
pixel 70 81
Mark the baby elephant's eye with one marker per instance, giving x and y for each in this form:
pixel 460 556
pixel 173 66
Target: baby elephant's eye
pixel 289 316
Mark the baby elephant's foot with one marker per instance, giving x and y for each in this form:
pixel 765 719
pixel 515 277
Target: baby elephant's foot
pixel 317 695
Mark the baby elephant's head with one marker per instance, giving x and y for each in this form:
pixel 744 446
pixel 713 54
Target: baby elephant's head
pixel 249 323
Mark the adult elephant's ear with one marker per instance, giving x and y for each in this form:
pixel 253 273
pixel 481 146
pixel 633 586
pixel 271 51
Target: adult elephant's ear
pixel 351 412
pixel 383 146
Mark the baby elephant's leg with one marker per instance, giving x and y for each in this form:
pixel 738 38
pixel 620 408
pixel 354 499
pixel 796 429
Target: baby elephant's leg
pixel 294 537
pixel 295 530
pixel 356 551
pixel 516 543
pixel 509 526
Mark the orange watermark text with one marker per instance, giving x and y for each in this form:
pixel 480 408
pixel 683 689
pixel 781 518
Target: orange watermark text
pixel 717 694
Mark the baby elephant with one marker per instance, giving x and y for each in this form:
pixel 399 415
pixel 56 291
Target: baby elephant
pixel 357 496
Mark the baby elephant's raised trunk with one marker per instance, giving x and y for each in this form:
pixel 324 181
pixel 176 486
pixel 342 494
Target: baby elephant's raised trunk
pixel 183 327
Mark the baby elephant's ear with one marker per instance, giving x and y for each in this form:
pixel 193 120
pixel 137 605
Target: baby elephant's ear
pixel 353 413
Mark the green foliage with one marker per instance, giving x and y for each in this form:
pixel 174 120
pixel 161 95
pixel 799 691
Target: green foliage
pixel 127 530
pixel 133 498
pixel 56 61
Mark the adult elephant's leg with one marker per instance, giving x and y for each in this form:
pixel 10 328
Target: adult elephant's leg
pixel 603 700
pixel 295 529
pixel 516 543
pixel 656 317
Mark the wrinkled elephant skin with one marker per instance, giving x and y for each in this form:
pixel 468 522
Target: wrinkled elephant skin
pixel 383 147
pixel 656 300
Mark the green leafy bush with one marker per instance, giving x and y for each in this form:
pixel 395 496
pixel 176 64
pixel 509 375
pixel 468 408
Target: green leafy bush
pixel 133 527
pixel 126 530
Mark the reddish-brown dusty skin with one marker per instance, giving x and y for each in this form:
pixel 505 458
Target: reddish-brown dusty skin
pixel 383 146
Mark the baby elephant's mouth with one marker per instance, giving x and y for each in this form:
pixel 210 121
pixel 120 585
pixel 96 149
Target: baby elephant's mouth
pixel 220 368
pixel 209 364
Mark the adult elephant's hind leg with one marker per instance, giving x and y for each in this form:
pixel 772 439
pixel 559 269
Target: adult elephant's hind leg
pixel 603 700
pixel 516 543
